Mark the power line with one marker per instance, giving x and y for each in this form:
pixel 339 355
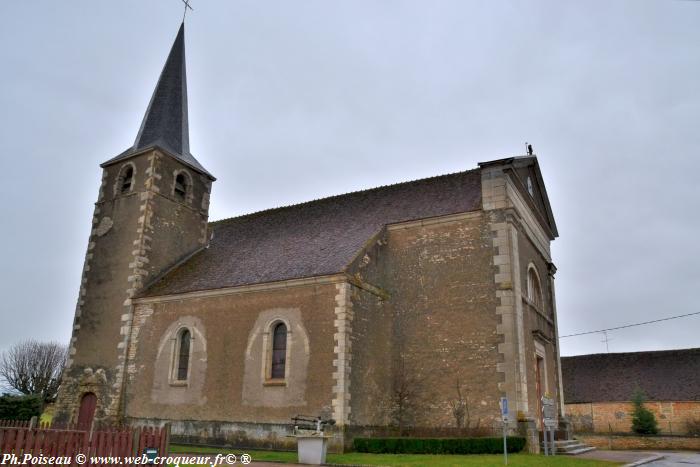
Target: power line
pixel 630 325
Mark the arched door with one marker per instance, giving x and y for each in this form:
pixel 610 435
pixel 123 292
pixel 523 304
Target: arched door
pixel 87 410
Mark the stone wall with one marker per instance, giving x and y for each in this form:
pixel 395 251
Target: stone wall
pixel 227 390
pixel 136 235
pixel 246 435
pixel 438 277
pixel 616 417
pixel 622 442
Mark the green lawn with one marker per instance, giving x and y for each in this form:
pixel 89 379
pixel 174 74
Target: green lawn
pixel 412 460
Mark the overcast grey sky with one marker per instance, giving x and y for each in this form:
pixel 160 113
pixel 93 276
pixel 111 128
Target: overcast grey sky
pixel 295 100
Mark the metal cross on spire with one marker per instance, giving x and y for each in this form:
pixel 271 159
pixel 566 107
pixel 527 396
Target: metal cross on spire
pixel 187 5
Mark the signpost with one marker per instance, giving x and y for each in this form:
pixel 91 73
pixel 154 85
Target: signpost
pixel 504 417
pixel 151 455
pixel 549 420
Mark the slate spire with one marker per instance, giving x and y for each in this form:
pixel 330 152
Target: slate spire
pixel 165 123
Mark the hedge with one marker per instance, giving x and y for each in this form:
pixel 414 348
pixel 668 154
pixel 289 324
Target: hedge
pixel 437 445
pixel 19 407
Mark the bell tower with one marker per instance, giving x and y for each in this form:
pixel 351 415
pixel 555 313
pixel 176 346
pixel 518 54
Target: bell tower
pixel 151 214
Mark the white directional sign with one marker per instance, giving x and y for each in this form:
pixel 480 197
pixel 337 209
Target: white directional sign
pixel 549 412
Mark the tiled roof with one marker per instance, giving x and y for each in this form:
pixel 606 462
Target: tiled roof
pixel 315 238
pixel 667 375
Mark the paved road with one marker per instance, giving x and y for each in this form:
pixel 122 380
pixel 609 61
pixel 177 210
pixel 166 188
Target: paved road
pixel 677 459
pixel 625 457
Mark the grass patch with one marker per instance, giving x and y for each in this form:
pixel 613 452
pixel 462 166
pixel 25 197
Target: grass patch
pixel 459 446
pixel 450 460
pixel 275 456
pixel 407 460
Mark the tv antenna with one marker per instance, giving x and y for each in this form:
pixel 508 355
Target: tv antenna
pixel 606 339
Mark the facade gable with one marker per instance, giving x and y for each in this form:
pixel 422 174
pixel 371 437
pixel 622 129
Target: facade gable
pixel 530 183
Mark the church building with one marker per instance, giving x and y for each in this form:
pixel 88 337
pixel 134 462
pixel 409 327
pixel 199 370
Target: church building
pixel 388 308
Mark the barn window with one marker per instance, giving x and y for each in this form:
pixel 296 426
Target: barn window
pixel 279 352
pixel 534 291
pixel 181 186
pixel 183 355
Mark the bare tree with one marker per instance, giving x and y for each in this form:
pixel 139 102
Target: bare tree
pixel 33 367
pixel 460 406
pixel 407 394
pixel 461 409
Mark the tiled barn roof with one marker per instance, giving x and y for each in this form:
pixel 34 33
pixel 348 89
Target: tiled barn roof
pixel 315 238
pixel 667 375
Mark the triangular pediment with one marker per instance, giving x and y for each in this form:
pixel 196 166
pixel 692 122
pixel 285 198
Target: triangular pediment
pixel 526 172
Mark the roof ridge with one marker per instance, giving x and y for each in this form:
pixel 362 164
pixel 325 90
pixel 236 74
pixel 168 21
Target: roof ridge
pixel 326 198
pixel 633 353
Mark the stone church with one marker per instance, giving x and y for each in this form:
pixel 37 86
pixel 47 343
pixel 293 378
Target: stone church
pixel 385 307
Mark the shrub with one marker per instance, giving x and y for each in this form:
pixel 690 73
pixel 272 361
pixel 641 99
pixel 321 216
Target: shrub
pixel 437 445
pixel 20 407
pixel 643 419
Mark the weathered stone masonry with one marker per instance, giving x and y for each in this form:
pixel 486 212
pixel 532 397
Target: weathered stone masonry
pixel 422 284
pixel 343 351
pixel 163 233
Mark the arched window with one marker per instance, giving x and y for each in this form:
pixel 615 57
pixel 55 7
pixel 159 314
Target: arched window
pixel 534 292
pixel 279 351
pixel 181 186
pixel 127 180
pixel 183 355
pixel 124 183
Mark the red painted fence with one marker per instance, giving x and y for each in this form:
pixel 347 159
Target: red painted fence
pixel 68 443
pixel 14 423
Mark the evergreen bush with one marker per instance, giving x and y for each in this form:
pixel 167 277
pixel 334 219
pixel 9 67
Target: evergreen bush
pixel 643 419
pixel 20 407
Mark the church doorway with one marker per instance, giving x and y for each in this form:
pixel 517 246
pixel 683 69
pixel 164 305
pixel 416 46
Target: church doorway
pixel 86 414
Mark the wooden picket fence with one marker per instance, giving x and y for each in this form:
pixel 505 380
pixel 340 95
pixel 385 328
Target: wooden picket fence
pixel 36 423
pixel 73 426
pixel 129 442
pixel 15 423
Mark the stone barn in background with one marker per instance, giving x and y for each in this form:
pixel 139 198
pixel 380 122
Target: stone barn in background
pixel 598 389
pixel 379 308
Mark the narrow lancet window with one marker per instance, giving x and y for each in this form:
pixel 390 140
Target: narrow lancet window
pixel 181 187
pixel 534 292
pixel 127 180
pixel 279 351
pixel 183 357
